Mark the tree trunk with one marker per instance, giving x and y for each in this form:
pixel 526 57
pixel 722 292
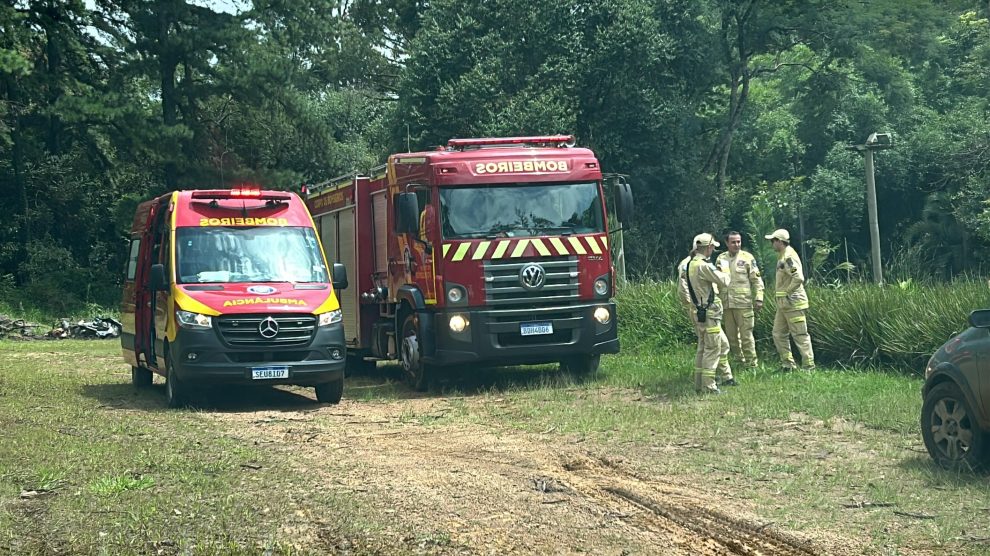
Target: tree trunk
pixel 167 67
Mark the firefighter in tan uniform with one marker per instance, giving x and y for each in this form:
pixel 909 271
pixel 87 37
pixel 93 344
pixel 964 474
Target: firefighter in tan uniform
pixel 704 281
pixel 741 299
pixel 791 319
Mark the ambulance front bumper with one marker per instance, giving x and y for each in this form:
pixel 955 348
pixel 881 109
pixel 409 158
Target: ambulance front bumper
pixel 523 337
pixel 202 356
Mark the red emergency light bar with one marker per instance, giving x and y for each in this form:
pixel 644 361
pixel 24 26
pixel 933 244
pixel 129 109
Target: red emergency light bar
pixel 558 140
pixel 242 193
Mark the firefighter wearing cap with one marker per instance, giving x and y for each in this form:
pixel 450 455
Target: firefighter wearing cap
pixel 741 299
pixel 791 319
pixel 704 280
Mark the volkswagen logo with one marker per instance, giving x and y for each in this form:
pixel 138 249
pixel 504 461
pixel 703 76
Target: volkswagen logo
pixel 532 276
pixel 268 328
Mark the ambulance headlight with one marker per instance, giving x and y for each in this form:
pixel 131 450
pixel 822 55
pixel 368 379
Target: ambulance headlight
pixel 602 315
pixel 601 287
pixel 188 319
pixel 458 323
pixel 331 317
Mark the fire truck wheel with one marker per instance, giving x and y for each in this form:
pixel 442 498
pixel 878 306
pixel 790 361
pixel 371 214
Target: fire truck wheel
pixel 581 365
pixel 330 392
pixel 410 355
pixel 141 378
pixel 175 390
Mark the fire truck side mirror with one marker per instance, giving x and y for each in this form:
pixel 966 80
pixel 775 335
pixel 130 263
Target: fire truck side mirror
pixel 407 214
pixel 158 280
pixel 624 204
pixel 339 276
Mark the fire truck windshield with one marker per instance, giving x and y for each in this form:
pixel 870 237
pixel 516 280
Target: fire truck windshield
pixel 521 210
pixel 220 254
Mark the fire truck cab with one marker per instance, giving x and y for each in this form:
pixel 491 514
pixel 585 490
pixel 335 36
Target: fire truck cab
pixel 490 251
pixel 231 286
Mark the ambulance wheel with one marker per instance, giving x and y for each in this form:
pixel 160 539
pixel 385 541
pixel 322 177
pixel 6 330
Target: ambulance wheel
pixel 410 355
pixel 141 378
pixel 330 392
pixel 175 389
pixel 581 365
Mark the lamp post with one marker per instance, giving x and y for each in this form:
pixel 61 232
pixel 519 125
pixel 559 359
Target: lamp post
pixel 875 142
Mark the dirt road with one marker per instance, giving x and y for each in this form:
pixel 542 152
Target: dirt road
pixel 461 486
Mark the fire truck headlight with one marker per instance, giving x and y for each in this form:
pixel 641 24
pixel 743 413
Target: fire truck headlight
pixel 602 315
pixel 601 287
pixel 188 319
pixel 331 317
pixel 455 295
pixel 458 323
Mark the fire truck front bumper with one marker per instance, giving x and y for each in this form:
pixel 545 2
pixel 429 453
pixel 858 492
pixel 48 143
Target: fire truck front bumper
pixel 203 357
pixel 522 336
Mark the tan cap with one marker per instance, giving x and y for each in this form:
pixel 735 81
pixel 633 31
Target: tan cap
pixel 780 234
pixel 704 240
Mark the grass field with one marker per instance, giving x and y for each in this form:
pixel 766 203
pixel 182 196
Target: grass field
pixel 90 465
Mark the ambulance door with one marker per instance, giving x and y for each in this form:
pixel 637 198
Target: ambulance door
pixel 161 298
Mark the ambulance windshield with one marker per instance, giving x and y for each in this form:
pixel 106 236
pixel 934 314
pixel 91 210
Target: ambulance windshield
pixel 521 210
pixel 218 254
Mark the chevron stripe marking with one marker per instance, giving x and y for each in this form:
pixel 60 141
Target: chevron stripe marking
pixel 446 247
pixel 520 248
pixel 500 249
pixel 605 242
pixel 462 250
pixel 542 249
pixel 593 243
pixel 559 246
pixel 479 253
pixel 576 244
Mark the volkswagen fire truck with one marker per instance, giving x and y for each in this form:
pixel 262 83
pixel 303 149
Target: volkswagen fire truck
pixel 490 251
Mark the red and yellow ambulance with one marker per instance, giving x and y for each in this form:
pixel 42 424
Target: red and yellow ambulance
pixel 231 286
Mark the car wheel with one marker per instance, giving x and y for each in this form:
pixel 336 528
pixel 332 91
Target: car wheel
pixel 141 377
pixel 330 392
pixel 950 431
pixel 410 354
pixel 175 389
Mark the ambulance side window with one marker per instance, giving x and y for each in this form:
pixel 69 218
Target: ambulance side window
pixel 132 260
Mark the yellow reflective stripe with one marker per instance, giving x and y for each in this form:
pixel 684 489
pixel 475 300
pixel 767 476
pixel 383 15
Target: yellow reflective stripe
pixel 520 248
pixel 723 359
pixel 748 314
pixel 542 249
pixel 594 245
pixel 576 244
pixel 740 289
pixel 780 294
pixel 800 305
pixel 713 329
pixel 500 249
pixel 479 253
pixel 707 373
pixel 797 319
pixel 446 247
pixel 559 246
pixel 462 250
pixel 605 242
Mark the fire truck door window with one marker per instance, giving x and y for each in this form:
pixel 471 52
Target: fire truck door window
pixel 276 254
pixel 132 259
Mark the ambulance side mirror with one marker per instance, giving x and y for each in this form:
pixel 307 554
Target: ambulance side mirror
pixel 624 204
pixel 158 280
pixel 339 276
pixel 407 214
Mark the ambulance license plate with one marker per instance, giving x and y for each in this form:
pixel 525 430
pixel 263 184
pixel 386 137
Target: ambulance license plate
pixel 266 373
pixel 535 328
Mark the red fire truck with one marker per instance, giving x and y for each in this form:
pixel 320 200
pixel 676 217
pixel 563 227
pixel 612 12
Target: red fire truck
pixel 231 286
pixel 489 251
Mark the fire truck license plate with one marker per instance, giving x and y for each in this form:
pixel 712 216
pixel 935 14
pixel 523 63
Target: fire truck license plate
pixel 535 328
pixel 265 373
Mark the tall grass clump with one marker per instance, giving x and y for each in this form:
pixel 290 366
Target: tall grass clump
pixel 651 317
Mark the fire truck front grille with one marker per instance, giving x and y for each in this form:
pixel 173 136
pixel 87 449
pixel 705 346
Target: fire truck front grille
pixel 505 286
pixel 267 330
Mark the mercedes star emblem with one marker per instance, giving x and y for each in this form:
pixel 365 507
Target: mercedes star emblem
pixel 532 276
pixel 268 328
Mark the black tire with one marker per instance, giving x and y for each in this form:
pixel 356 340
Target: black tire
pixel 581 365
pixel 175 389
pixel 330 392
pixel 141 377
pixel 357 365
pixel 950 431
pixel 411 355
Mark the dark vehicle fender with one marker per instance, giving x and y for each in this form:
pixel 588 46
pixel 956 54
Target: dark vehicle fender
pixel 411 296
pixel 945 372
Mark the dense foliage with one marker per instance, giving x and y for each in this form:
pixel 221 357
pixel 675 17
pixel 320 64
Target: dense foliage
pixel 725 114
